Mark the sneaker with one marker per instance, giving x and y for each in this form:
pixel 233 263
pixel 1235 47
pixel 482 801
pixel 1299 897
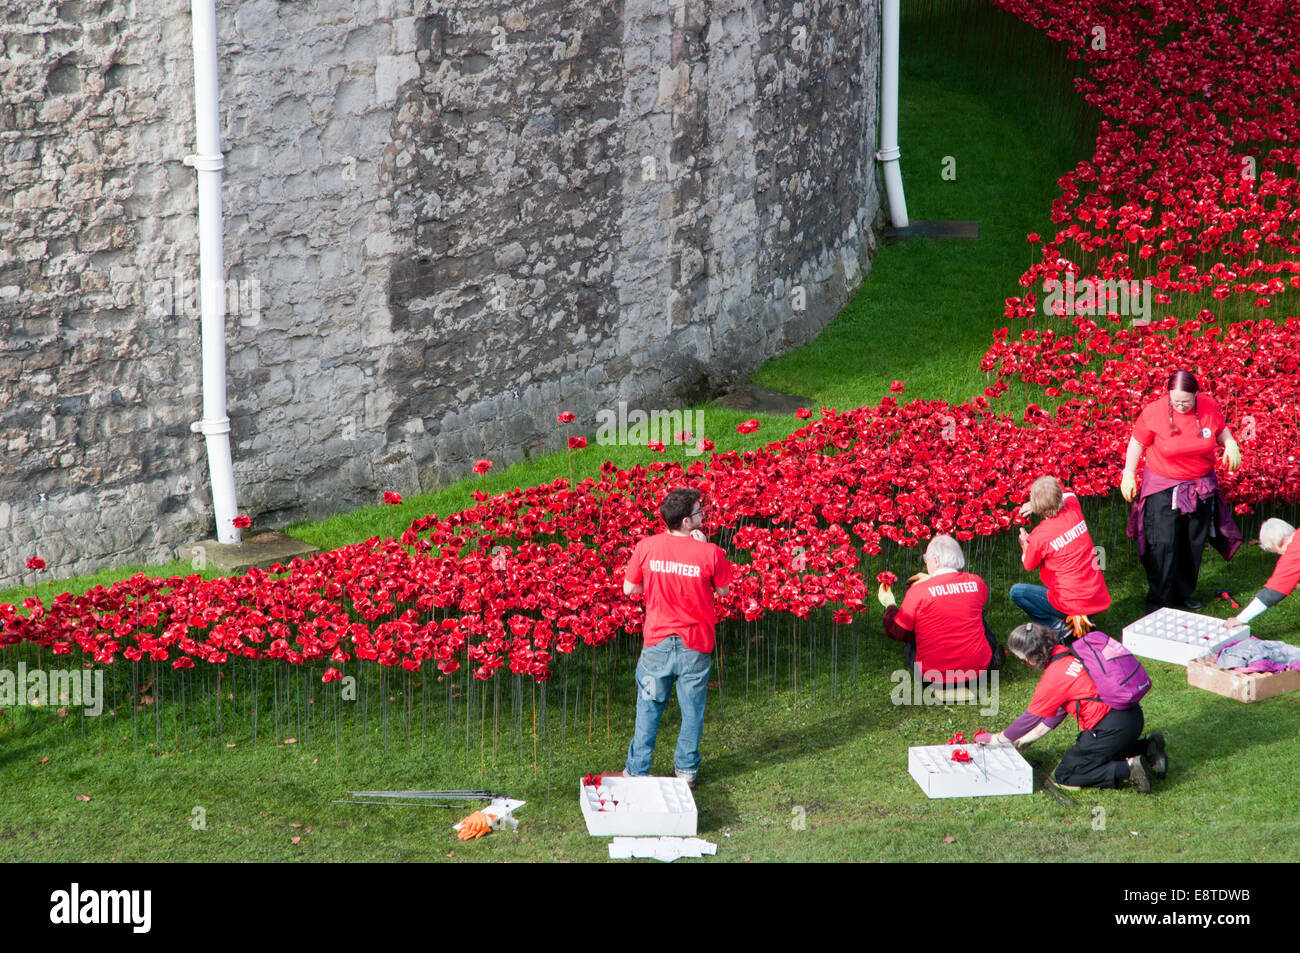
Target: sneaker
pixel 1137 774
pixel 689 779
pixel 1195 605
pixel 1156 754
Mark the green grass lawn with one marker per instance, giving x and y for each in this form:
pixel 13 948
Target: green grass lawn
pixel 812 735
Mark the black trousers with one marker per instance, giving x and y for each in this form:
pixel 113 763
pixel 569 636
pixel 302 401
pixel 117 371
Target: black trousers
pixel 995 661
pixel 1098 755
pixel 1175 542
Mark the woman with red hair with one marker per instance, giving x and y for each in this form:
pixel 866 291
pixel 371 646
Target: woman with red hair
pixel 1180 506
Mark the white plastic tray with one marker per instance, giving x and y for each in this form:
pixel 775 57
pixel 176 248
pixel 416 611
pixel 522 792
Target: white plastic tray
pixel 992 770
pixel 638 807
pixel 1172 635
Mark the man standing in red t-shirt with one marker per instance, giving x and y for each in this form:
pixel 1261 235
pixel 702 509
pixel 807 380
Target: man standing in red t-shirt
pixel 1275 536
pixel 941 622
pixel 678 571
pixel 1061 544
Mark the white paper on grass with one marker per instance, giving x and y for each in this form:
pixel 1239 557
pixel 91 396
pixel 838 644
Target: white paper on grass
pixel 666 849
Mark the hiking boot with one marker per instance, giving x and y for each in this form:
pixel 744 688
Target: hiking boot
pixel 1138 774
pixel 1194 604
pixel 1156 754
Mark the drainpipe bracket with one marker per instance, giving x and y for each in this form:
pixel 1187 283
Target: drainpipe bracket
pixel 889 154
pixel 205 163
pixel 211 427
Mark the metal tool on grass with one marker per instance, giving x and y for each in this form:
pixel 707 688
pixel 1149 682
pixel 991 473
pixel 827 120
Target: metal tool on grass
pixel 443 799
pixel 449 807
pixel 434 795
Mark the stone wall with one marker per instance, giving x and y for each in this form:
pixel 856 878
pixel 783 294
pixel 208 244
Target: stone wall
pixel 444 222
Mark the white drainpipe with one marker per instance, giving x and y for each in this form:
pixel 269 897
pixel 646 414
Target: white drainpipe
pixel 207 162
pixel 889 152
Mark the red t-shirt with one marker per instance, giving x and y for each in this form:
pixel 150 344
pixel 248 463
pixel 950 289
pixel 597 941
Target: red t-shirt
pixel 1286 574
pixel 1189 454
pixel 1066 684
pixel 1062 545
pixel 679 575
pixel 946 612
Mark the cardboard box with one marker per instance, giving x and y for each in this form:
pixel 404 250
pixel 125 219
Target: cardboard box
pixel 1237 685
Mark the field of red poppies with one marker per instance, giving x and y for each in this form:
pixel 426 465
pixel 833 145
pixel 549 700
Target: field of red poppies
pixel 1192 187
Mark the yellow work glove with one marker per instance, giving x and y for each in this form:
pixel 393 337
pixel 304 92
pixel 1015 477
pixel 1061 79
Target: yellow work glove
pixel 1232 454
pixel 1129 487
pixel 919 577
pixel 474 826
pixel 886 597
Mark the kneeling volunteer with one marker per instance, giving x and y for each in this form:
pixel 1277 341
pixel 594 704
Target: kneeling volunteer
pixel 1275 536
pixel 941 622
pixel 1062 547
pixel 1110 749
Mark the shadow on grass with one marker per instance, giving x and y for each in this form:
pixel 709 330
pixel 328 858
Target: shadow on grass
pixel 809 739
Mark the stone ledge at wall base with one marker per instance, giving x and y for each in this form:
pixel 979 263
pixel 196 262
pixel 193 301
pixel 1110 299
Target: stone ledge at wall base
pixel 763 400
pixel 1238 685
pixel 261 552
pixel 934 228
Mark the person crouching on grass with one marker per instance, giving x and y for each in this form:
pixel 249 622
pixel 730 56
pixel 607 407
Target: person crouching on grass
pixel 1061 547
pixel 1110 750
pixel 679 571
pixel 1275 536
pixel 941 622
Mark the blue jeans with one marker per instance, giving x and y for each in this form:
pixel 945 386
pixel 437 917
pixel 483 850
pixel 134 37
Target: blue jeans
pixel 1033 599
pixel 659 666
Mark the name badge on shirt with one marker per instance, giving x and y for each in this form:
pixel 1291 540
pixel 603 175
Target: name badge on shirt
pixel 1205 433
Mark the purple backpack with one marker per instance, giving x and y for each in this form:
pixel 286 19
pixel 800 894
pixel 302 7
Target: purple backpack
pixel 1120 678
